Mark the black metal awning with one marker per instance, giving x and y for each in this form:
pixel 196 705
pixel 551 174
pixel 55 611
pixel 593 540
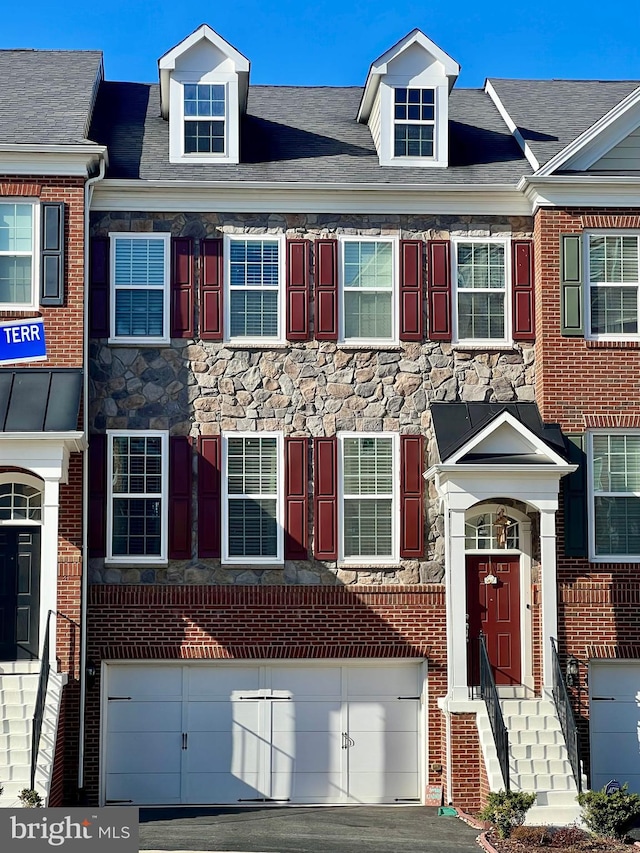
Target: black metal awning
pixel 40 400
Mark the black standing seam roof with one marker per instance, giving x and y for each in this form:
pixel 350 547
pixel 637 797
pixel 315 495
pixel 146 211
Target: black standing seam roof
pixel 456 423
pixel 38 400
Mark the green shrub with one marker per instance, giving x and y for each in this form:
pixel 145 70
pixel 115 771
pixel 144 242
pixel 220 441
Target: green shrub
pixel 30 799
pixel 506 810
pixel 531 836
pixel 609 814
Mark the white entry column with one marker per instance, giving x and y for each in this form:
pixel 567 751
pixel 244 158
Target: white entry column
pixel 457 623
pixel 549 603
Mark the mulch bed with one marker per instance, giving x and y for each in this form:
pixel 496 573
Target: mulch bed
pixel 565 842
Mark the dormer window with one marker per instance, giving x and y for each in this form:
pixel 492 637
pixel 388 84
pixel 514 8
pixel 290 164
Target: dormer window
pixel 204 118
pixel 414 122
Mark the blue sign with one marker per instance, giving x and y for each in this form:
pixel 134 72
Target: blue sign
pixel 22 340
pixel 612 787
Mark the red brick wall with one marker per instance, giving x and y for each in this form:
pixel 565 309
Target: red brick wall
pixel 279 622
pixel 469 782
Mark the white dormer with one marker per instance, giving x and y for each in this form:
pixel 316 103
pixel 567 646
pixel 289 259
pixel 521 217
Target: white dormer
pixel 406 103
pixel 203 92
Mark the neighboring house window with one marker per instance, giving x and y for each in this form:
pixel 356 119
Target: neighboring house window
pixel 255 288
pixel 17 254
pixel 252 498
pixel 140 278
pixel 615 494
pixel 414 122
pixel 204 118
pixel 368 286
pixel 480 274
pixel 613 283
pixel 137 496
pixel 369 480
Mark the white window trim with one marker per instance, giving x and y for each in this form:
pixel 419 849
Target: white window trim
pixel 428 80
pixel 388 560
pixel 177 153
pixel 591 509
pixel 420 122
pixel 166 288
pixel 263 339
pixel 24 480
pixel 245 560
pixel 586 278
pixel 34 304
pixel 508 333
pixel 137 560
pixel 395 272
pixel 206 155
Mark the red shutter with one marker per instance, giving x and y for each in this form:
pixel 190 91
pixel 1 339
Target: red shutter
pixel 182 287
pixel 439 290
pixel 99 322
pixel 297 290
pixel 326 499
pixel 326 295
pixel 411 266
pixel 522 293
pixel 211 278
pixel 97 529
pixel 411 497
pixel 180 497
pixel 209 496
pixel 296 498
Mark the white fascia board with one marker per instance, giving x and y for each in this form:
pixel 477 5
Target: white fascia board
pixel 284 197
pixel 608 131
pixel 204 31
pixel 46 160
pixel 481 470
pixel 541 447
pixel 526 150
pixel 74 441
pixel 584 190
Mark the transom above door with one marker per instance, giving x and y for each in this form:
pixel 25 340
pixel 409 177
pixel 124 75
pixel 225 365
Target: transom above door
pixel 241 734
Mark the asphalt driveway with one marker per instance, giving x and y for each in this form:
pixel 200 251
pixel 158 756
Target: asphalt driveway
pixel 347 829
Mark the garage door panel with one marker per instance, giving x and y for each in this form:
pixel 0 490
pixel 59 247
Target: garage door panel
pixel 236 752
pixel 309 752
pixel 144 788
pixel 615 679
pixel 618 754
pixel 615 723
pixel 613 716
pixel 204 788
pixel 222 681
pixel 307 716
pixel 390 680
pixel 308 788
pixel 144 752
pixel 145 682
pixel 394 715
pixel 383 752
pixel 367 788
pixel 145 716
pixel 324 681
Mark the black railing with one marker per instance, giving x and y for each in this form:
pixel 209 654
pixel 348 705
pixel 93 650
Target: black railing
pixel 565 715
pixel 489 693
pixel 41 696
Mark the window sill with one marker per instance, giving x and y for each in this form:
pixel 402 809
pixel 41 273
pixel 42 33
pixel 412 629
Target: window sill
pixel 253 567
pixel 368 567
pixel 133 563
pixel 391 347
pixel 139 342
pixel 485 345
pixel 613 344
pixel 257 344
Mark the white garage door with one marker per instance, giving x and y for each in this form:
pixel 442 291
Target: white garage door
pixel 614 688
pixel 305 733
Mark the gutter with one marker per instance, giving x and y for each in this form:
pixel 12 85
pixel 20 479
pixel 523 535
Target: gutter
pixel 88 194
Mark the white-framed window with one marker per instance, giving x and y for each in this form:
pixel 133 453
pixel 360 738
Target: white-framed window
pixel 19 265
pixel 414 122
pixel 481 272
pixel 368 483
pixel 614 499
pixel 137 496
pixel 205 118
pixel 482 533
pixel 140 275
pixel 369 289
pixel 255 286
pixel 613 284
pixel 252 490
pixel 20 500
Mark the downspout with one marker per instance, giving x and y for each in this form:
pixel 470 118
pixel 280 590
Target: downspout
pixel 447 698
pixel 88 195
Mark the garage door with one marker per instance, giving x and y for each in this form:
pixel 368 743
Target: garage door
pixel 614 689
pixel 196 734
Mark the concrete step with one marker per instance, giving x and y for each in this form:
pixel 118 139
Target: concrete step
pixel 524 707
pixel 540 737
pixel 20 727
pixel 13 756
pixel 18 696
pixel 553 815
pixel 538 723
pixel 16 773
pixel 19 667
pixel 537 766
pixel 14 741
pixel 16 712
pixel 541 782
pixel 547 751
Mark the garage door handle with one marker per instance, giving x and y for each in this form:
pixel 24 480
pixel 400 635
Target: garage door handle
pixel 185 737
pixel 347 742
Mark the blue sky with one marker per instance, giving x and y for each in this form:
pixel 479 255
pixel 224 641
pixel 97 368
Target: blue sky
pixel 333 43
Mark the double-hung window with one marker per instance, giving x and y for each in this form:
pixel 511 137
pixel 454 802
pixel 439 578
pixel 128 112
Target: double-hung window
pixel 368 482
pixel 255 285
pixel 368 290
pixel 614 459
pixel 252 498
pixel 613 284
pixel 138 481
pixel 414 122
pixel 140 287
pixel 205 116
pixel 18 228
pixel 482 295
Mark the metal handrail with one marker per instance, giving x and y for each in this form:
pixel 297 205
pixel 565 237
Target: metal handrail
pixel 489 693
pixel 565 715
pixel 41 696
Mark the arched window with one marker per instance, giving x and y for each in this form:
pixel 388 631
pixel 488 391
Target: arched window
pixel 20 502
pixel 492 531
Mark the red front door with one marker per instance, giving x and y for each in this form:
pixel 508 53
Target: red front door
pixel 494 610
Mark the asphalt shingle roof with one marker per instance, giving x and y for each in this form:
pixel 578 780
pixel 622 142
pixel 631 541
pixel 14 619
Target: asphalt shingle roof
pixel 303 134
pixel 552 113
pixel 46 96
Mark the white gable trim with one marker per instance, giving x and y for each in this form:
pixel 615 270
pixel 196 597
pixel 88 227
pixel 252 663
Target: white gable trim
pixel 584 190
pixel 601 137
pixel 380 67
pixel 519 138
